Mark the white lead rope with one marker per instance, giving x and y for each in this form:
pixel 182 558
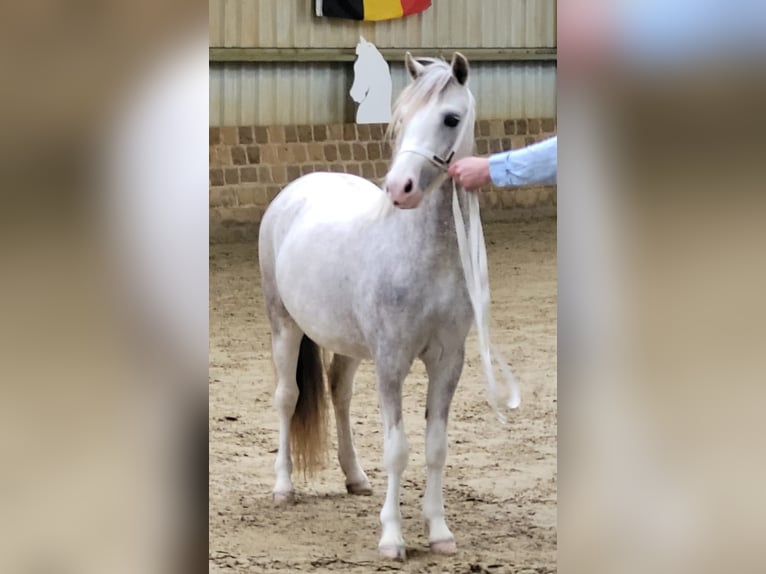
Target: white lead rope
pixel 473 256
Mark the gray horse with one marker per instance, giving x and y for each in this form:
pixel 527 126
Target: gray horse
pixel 345 271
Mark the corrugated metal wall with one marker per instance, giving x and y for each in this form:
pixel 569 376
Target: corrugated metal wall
pixel 295 93
pixel 447 24
pixel 268 94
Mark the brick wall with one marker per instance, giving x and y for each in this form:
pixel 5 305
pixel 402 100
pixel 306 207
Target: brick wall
pixel 250 164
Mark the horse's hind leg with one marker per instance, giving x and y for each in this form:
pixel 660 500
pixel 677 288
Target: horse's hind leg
pixel 285 342
pixel 341 375
pixel 443 374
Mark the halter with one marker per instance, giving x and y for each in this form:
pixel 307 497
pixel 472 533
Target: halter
pixel 442 162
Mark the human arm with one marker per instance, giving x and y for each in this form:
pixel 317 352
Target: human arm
pixel 534 164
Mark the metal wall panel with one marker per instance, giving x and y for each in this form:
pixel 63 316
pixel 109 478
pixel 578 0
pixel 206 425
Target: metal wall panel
pixel 504 90
pixel 446 24
pixel 273 94
pixel 243 94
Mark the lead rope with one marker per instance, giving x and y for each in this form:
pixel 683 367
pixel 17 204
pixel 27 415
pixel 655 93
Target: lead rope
pixel 473 256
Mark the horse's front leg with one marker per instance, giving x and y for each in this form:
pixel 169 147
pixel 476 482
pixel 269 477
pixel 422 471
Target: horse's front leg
pixel 395 453
pixel 443 375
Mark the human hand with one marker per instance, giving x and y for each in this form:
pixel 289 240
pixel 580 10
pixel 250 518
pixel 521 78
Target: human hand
pixel 471 172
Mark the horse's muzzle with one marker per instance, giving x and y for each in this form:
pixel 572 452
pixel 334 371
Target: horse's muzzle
pixel 403 194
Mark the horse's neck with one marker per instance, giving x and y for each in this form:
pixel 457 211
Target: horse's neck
pixel 436 217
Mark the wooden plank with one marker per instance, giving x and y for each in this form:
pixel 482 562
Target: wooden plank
pixel 390 54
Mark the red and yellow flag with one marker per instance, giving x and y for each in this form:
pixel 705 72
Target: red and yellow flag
pixel 372 10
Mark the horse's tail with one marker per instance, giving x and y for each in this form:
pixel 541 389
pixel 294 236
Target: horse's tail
pixel 308 428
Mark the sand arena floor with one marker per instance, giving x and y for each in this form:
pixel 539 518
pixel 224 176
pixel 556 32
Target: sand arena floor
pixel 500 483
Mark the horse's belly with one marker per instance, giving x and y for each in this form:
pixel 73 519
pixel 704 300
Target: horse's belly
pixel 319 297
pixel 326 325
pixel 336 342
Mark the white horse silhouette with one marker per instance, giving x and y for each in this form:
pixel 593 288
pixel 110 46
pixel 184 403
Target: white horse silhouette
pixel 372 85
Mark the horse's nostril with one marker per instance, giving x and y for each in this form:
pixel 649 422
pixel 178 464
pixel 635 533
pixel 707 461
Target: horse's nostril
pixel 408 187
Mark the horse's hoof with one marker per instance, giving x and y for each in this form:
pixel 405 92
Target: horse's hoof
pixel 443 547
pixel 392 552
pixel 283 498
pixel 359 488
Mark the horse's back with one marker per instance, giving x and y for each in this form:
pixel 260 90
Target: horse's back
pixel 329 197
pixel 317 198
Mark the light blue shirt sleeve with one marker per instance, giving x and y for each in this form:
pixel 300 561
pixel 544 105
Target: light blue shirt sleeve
pixel 533 165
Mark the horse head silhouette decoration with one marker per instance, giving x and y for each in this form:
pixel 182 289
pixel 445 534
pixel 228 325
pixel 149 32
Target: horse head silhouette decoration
pixel 372 85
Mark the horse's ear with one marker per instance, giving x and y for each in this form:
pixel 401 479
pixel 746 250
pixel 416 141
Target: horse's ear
pixel 460 68
pixel 362 40
pixel 414 68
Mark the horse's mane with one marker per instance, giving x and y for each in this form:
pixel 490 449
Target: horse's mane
pixel 435 78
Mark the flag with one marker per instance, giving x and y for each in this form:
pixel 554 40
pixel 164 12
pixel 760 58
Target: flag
pixel 370 9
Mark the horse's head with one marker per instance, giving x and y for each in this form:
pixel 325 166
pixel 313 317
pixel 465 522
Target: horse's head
pixel 432 124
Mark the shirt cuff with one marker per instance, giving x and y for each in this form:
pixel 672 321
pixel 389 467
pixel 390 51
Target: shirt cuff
pixel 498 171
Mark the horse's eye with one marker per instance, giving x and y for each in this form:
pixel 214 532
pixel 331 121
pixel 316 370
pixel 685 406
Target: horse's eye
pixel 451 120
